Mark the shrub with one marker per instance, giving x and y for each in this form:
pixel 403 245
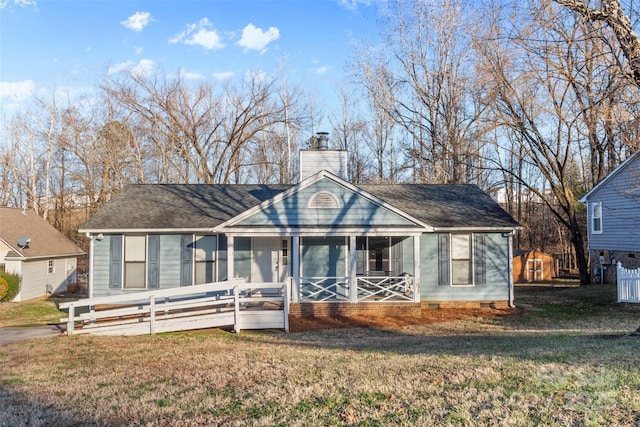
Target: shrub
pixel 4 288
pixel 13 282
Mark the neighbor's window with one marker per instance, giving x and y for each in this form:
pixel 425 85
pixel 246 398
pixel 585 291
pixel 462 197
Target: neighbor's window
pixel 135 250
pixel 596 218
pixel 51 266
pixel 461 259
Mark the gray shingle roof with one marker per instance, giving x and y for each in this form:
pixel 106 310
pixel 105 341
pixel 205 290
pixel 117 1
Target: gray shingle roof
pixel 46 241
pixel 178 206
pixel 445 205
pixel 200 206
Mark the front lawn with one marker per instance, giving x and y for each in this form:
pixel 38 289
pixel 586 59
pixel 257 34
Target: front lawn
pixel 566 360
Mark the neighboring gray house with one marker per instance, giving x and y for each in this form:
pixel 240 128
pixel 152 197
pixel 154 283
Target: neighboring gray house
pixel 613 218
pixel 32 248
pixel 333 241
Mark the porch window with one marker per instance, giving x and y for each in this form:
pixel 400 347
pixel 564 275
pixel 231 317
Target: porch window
pixel 135 250
pixel 596 218
pixel 380 255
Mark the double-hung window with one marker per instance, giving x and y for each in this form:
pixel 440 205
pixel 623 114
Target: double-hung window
pixel 462 259
pixel 596 218
pixel 135 257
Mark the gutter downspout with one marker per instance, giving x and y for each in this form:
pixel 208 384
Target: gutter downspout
pixel 510 269
pixel 91 251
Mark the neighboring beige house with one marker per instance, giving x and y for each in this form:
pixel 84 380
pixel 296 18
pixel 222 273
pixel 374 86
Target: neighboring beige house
pixel 32 248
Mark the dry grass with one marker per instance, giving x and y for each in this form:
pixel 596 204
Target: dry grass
pixel 564 361
pixel 39 311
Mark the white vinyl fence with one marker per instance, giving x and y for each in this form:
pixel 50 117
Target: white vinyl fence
pixel 628 284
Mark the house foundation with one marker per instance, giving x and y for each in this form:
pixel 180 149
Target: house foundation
pixel 603 263
pixel 337 309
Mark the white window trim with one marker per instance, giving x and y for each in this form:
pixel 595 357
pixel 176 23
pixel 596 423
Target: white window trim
pixel 471 261
pixel 592 216
pixel 124 262
pixel 51 266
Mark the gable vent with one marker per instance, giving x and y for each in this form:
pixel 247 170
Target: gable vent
pixel 324 200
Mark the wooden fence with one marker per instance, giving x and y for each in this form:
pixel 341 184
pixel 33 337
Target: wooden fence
pixel 232 303
pixel 628 284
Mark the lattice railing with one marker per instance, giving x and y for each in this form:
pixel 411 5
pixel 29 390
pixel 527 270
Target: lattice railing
pixel 385 288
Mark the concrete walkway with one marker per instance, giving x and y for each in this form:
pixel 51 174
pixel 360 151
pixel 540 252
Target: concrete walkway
pixel 20 333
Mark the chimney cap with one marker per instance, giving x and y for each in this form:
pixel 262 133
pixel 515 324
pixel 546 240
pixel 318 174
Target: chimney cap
pixel 323 140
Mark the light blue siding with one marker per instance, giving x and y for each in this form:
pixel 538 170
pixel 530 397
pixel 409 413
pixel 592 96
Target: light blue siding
pixel 620 198
pixel 497 272
pixel 354 210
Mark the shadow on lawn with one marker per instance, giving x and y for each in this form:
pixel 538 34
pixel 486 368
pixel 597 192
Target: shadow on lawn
pixel 20 409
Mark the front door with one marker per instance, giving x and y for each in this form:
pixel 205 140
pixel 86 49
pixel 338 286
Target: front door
pixel 268 264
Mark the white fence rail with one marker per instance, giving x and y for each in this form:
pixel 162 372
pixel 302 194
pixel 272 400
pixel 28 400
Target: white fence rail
pixel 233 303
pixel 628 284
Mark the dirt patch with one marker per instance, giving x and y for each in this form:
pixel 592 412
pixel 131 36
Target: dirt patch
pixel 428 316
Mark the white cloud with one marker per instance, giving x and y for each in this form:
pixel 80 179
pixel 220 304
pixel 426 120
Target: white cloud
pixel 323 69
pixel 143 68
pixel 353 4
pixel 139 50
pixel 199 34
pixel 255 39
pixel 224 75
pixel 190 75
pixel 17 91
pixel 117 68
pixel 137 21
pixel 19 3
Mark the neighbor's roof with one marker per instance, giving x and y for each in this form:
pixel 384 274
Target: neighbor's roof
pixel 46 241
pixel 201 206
pixel 610 176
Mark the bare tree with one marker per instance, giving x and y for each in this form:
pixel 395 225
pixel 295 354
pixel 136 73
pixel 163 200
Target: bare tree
pixel 613 15
pixel 425 80
pixel 554 108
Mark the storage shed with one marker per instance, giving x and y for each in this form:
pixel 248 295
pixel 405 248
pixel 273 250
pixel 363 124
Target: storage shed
pixel 533 266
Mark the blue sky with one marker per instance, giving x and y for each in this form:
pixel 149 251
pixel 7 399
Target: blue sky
pixel 70 44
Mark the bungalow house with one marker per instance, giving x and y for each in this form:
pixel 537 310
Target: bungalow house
pixel 613 218
pixel 334 242
pixel 33 249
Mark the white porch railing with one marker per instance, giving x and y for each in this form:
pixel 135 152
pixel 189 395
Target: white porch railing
pixel 628 284
pixel 386 288
pixel 233 303
pixel 369 289
pixel 323 289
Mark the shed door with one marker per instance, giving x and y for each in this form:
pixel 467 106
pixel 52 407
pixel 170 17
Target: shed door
pixel 268 265
pixel 534 270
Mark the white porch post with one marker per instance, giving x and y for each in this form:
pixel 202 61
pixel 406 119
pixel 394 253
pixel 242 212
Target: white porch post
pixel 416 268
pixel 353 278
pixel 230 271
pixel 295 268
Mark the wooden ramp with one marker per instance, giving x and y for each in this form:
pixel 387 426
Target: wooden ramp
pixel 235 303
